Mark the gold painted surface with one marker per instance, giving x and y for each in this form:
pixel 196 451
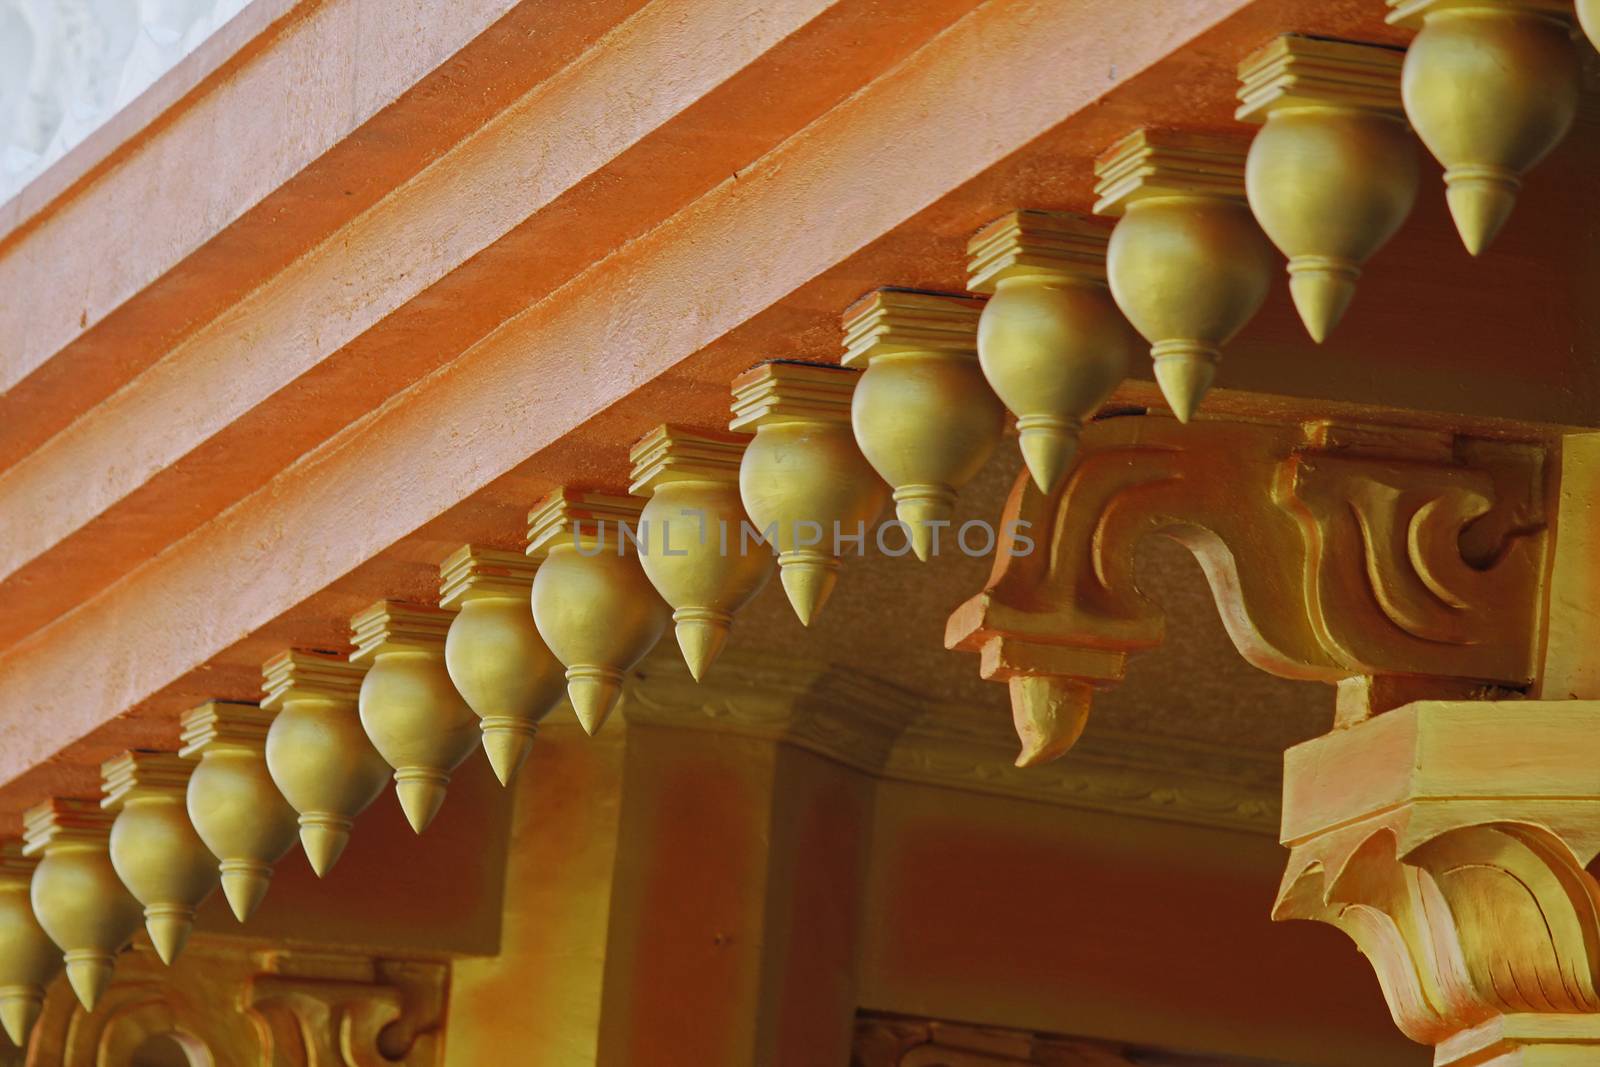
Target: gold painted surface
pixel 1334 552
pixel 318 754
pixel 922 412
pixel 592 603
pixel 409 708
pixel 1187 263
pixel 498 662
pixel 803 475
pixel 28 958
pixel 691 535
pixel 1051 341
pixel 232 801
pixel 1334 171
pixel 1450 841
pixel 1491 87
pixel 77 897
pixel 153 845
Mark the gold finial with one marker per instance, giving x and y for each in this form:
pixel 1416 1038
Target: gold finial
pixel 1187 263
pixel 1050 340
pixel 233 803
pixel 803 480
pixel 409 707
pixel 1333 172
pixel 1491 87
pixel 496 658
pixel 592 603
pixel 690 530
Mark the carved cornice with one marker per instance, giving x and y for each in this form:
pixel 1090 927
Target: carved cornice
pixel 1334 552
pixel 893 733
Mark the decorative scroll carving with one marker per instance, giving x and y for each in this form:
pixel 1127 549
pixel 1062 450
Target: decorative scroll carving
pixel 234 1008
pixel 1450 840
pixel 1334 552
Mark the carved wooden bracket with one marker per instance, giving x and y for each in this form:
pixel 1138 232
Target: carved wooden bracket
pixel 1451 841
pixel 226 1005
pixel 1408 562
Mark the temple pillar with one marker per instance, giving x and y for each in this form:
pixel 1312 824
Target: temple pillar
pixel 1452 841
pixel 735 903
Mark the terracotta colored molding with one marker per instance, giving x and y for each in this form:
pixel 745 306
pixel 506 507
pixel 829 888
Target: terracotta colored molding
pixel 598 154
pixel 804 209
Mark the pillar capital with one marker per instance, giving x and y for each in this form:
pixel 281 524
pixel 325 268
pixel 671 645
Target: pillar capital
pixel 1451 841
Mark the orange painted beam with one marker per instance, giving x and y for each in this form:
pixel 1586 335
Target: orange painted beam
pixel 596 155
pixel 855 174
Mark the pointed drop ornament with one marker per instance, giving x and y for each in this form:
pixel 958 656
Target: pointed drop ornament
pixel 1334 171
pixel 1491 86
pixel 317 753
pixel 76 894
pixel 29 960
pixel 804 482
pixel 496 658
pixel 1051 341
pixel 1187 263
pixel 922 412
pixel 154 847
pixel 232 802
pixel 1589 18
pixel 592 603
pixel 689 531
pixel 409 707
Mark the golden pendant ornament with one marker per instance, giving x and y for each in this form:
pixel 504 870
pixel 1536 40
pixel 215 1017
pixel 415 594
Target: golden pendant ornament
pixel 1187 263
pixel 154 847
pixel 500 665
pixel 29 960
pixel 692 532
pixel 319 757
pixel 922 412
pixel 409 707
pixel 1334 170
pixel 1491 86
pixel 77 897
pixel 591 600
pixel 1051 341
pixel 804 482
pixel 232 802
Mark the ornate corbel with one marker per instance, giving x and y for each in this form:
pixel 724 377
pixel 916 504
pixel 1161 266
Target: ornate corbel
pixel 1491 86
pixel 234 805
pixel 1333 172
pixel 803 480
pixel 691 531
pixel 409 707
pixel 1390 561
pixel 28 958
pixel 319 756
pixel 1051 341
pixel 77 897
pixel 591 600
pixel 496 658
pixel 154 847
pixel 1187 263
pixel 922 412
pixel 1451 841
